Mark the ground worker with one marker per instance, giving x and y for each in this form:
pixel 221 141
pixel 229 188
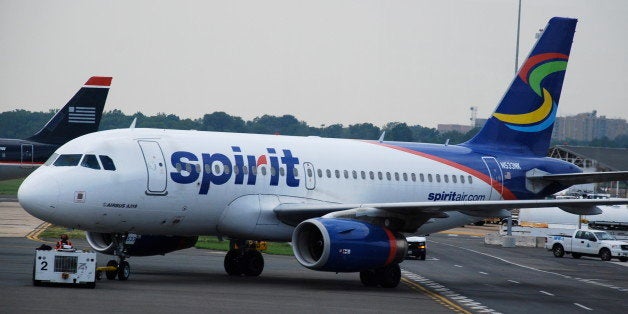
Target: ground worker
pixel 63 241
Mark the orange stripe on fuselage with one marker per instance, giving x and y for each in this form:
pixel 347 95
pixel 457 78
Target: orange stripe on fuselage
pixel 506 194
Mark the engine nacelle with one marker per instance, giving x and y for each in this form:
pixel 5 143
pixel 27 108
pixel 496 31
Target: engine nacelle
pixel 344 245
pixel 144 245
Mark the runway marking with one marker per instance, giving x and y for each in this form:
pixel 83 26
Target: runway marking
pixel 443 294
pixel 546 293
pixel 584 307
pixel 458 266
pixel 589 281
pixel 483 273
pixel 514 281
pixel 34 235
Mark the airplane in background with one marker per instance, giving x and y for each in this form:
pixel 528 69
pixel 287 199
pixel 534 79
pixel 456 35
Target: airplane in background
pixel 343 204
pixel 80 116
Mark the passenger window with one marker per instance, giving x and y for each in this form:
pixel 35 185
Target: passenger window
pixel 51 159
pixel 405 176
pixel 438 178
pixel 446 177
pixel 454 179
pixel 320 173
pixel 388 176
pixel 107 163
pixel 346 173
pixel 263 169
pixel 462 179
pixel 379 175
pixel 328 172
pixel 413 176
pixel 245 170
pixel 470 180
pixel 236 169
pixel 429 177
pixel 254 170
pixel 355 174
pixel 282 172
pixel 421 177
pixel 337 172
pixel 372 175
pixel 208 169
pixel 296 172
pixel 227 169
pixel 396 176
pixel 363 175
pixel 90 161
pixel 309 173
pixel 68 160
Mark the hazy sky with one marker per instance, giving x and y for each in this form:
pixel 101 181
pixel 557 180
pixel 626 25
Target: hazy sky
pixel 323 61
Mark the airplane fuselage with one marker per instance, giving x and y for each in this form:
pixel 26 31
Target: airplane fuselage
pixel 18 158
pixel 191 182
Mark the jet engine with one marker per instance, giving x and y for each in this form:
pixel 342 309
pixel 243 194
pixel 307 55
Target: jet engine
pixel 344 245
pixel 139 245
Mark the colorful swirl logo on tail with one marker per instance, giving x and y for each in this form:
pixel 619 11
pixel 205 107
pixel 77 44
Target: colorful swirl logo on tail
pixel 544 116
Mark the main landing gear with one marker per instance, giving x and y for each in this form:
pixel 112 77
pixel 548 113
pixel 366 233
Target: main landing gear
pixel 387 276
pixel 121 269
pixel 244 258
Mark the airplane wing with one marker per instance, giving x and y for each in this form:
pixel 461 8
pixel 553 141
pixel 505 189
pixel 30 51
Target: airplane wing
pixel 581 178
pixel 293 213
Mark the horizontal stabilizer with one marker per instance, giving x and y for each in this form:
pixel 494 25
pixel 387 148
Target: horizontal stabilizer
pixel 581 178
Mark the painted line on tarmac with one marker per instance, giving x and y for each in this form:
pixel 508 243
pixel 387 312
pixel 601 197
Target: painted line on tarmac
pixel 589 281
pixel 34 235
pixel 582 306
pixel 444 295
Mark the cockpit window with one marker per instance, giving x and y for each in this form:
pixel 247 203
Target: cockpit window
pixel 107 163
pixel 68 160
pixel 51 159
pixel 90 161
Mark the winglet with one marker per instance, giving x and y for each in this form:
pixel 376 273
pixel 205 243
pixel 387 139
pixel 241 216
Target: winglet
pixel 132 126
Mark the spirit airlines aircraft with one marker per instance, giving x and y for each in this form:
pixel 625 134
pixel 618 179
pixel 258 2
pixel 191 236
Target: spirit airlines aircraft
pixel 80 116
pixel 343 204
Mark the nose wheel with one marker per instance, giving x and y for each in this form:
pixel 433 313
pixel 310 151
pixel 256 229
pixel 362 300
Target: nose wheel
pixel 115 269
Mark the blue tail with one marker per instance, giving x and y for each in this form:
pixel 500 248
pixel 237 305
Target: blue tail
pixel 524 118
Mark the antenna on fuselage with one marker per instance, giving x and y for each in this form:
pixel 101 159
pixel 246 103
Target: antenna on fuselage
pixel 132 126
pixel 381 138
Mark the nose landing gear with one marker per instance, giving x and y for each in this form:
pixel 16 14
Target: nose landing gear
pixel 122 269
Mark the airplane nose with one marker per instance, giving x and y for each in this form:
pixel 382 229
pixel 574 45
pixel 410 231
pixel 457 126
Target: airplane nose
pixel 38 195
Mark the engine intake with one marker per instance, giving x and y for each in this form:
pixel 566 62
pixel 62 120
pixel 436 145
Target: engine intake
pixel 144 245
pixel 344 245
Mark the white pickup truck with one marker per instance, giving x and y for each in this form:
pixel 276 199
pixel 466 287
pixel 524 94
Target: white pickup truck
pixel 588 243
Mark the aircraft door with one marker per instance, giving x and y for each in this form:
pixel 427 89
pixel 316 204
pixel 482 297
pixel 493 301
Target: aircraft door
pixel 27 155
pixel 155 167
pixel 497 178
pixel 310 176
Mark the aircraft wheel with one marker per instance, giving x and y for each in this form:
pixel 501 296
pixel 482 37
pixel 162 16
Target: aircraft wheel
pixel 389 276
pixel 232 263
pixel 368 278
pixel 124 270
pixel 111 274
pixel 253 263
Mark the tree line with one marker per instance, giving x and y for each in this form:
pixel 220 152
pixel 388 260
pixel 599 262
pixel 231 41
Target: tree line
pixel 22 123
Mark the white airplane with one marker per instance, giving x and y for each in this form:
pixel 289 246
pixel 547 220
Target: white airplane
pixel 343 204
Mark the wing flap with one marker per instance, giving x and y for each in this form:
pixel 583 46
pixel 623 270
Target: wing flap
pixel 293 213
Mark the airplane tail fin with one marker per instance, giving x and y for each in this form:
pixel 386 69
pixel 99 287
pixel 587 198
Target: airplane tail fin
pixel 80 116
pixel 523 121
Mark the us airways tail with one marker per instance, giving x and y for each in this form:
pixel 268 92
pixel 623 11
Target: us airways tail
pixel 80 116
pixel 524 118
